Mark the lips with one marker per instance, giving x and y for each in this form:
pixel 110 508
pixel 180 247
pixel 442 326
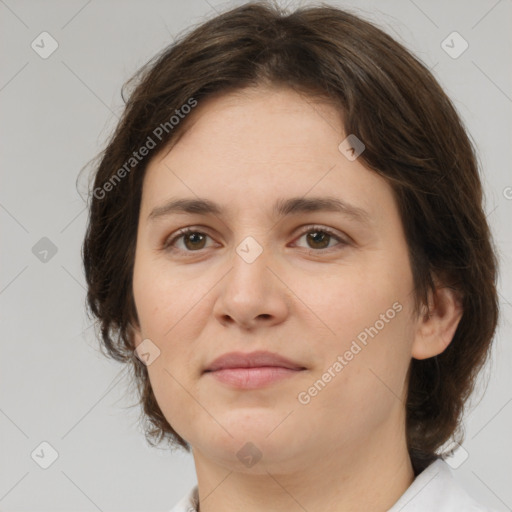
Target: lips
pixel 252 360
pixel 252 371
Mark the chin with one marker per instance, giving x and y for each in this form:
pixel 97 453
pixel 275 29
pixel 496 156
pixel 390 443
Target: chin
pixel 250 441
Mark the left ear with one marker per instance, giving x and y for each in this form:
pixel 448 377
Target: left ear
pixel 436 328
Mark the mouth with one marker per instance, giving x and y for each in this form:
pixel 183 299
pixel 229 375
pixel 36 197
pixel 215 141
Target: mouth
pixel 252 370
pixel 252 378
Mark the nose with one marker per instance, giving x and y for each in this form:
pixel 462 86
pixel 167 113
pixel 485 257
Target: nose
pixel 251 294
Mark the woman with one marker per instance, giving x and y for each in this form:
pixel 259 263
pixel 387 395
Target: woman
pixel 287 243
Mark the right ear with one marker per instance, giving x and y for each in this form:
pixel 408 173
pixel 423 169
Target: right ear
pixel 135 334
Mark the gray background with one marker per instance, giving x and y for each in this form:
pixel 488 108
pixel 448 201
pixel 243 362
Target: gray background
pixel 55 116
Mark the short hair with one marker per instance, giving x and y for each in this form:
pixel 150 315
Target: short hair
pixel 413 138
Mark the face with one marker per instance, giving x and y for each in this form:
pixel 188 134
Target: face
pixel 330 290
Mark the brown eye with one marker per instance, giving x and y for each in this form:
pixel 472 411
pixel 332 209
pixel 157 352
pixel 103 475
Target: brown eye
pixel 319 239
pixel 192 240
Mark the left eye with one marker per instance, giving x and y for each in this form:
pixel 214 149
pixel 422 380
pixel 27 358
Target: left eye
pixel 320 238
pixel 195 240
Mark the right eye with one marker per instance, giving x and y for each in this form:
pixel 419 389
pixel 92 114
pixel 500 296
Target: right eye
pixel 193 240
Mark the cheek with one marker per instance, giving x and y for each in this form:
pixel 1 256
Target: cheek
pixel 354 299
pixel 169 313
pixel 172 393
pixel 361 385
pixel 161 298
pixel 168 309
pixel 369 314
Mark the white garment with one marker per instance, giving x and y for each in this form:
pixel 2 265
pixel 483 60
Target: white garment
pixel 433 490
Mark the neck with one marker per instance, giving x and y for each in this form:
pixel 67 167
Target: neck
pixel 371 476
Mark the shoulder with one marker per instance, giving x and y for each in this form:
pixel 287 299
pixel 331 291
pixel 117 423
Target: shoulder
pixel 188 503
pixel 435 488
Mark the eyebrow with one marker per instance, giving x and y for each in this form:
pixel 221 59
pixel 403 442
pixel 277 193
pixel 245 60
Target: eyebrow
pixel 282 207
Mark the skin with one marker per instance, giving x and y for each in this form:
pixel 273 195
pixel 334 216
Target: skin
pixel 345 450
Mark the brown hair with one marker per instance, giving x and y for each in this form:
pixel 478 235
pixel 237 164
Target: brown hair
pixel 414 138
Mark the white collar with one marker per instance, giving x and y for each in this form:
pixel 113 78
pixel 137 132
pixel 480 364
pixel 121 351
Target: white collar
pixel 434 489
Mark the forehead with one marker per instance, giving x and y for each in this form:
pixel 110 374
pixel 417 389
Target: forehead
pixel 251 147
pixel 247 119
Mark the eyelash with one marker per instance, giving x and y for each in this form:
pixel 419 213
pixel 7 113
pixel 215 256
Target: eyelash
pixel 168 243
